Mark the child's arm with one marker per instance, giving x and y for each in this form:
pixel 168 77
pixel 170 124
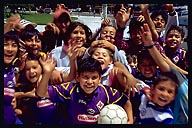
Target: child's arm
pixel 163 62
pixel 128 109
pixel 48 66
pixel 172 19
pixel 145 11
pixel 148 43
pixel 106 44
pixel 72 52
pixel 174 65
pixel 122 17
pixel 19 95
pixel 125 78
pixel 13 23
pixel 104 22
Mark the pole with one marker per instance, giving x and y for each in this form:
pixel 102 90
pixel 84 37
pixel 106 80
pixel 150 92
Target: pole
pixel 104 6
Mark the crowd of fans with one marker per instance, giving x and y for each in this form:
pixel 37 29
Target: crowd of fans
pixel 67 74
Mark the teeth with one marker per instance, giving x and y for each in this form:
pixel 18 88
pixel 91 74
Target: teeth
pixel 174 41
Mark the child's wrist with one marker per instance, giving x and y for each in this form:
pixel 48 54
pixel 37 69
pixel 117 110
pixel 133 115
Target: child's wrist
pixel 148 46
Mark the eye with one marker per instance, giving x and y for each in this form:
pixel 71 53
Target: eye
pixel 85 77
pixel 111 33
pixel 94 77
pixel 177 36
pixel 82 32
pixel 14 45
pixel 156 19
pixel 75 32
pixel 37 40
pixel 162 21
pixel 161 88
pixel 5 44
pixel 28 40
pixel 104 54
pixel 170 91
pixel 96 54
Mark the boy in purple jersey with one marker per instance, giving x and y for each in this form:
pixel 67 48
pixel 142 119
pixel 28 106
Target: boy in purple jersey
pixel 11 44
pixel 85 98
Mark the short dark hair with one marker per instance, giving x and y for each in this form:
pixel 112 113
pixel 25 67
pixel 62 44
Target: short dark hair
pixel 90 65
pixel 135 24
pixel 178 28
pixel 63 18
pixel 167 76
pixel 12 35
pixel 28 33
pixel 159 12
pixel 144 54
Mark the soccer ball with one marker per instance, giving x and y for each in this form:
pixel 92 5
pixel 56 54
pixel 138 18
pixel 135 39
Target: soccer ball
pixel 112 114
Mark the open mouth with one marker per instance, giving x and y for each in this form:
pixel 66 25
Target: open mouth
pixel 173 43
pixel 33 75
pixel 162 99
pixel 101 62
pixel 8 56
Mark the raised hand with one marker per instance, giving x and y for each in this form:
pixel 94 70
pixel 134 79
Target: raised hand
pixel 122 16
pixel 105 22
pixel 169 7
pixel 53 28
pixel 144 7
pixel 146 35
pixel 141 18
pixel 22 55
pixel 13 22
pixel 48 63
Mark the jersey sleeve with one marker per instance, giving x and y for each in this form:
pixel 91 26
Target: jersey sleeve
pixel 116 97
pixel 60 93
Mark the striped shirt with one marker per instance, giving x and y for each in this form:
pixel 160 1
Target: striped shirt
pixel 153 114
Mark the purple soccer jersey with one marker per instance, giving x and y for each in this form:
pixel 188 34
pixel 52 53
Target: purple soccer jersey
pixel 46 111
pixel 9 90
pixel 80 108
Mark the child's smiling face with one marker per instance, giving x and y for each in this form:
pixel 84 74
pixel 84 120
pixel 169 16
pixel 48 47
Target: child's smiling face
pixel 89 81
pixel 163 93
pixel 33 70
pixel 174 39
pixel 10 51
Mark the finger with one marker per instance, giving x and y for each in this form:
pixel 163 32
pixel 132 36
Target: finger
pixel 21 42
pixel 129 10
pixel 142 30
pixel 133 92
pixel 22 50
pixel 62 77
pixel 146 27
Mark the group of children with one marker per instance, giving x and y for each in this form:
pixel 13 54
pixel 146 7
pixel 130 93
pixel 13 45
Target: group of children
pixel 66 74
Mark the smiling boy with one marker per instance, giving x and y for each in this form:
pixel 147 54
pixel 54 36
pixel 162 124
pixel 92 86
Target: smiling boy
pixel 85 98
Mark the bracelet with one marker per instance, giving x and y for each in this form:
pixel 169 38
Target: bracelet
pixel 148 47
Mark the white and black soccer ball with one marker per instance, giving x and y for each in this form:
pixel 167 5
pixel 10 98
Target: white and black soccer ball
pixel 112 114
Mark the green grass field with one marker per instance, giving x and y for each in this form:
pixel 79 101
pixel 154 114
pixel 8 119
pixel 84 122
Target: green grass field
pixel 38 18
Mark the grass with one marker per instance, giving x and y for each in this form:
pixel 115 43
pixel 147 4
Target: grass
pixel 40 19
